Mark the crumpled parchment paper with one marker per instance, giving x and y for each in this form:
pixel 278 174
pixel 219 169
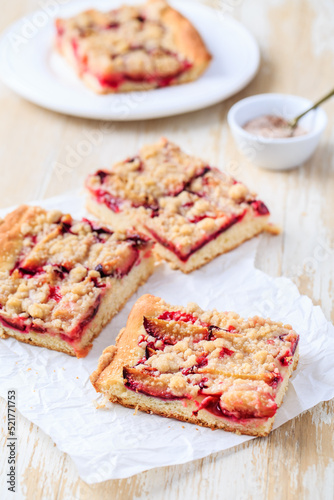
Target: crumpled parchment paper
pixel 54 391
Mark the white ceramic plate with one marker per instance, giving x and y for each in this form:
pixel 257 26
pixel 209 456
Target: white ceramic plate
pixel 29 66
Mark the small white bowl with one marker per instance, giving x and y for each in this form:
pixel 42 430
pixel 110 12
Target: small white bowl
pixel 276 154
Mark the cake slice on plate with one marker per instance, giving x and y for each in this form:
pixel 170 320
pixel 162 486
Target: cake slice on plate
pixel 62 280
pixel 205 367
pixel 137 47
pixel 193 211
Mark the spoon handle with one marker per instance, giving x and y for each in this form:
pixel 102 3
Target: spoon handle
pixel 294 122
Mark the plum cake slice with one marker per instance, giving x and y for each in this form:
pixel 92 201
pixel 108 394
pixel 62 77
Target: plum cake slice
pixel 193 211
pixel 138 47
pixel 205 367
pixel 62 280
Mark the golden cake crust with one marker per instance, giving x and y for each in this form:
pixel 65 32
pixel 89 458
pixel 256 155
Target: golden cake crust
pixel 125 352
pixel 187 39
pixel 11 237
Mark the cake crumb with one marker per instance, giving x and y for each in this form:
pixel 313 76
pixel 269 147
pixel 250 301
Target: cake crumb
pixel 98 405
pixel 136 409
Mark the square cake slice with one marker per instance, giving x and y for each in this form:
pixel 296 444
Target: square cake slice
pixel 205 367
pixel 62 280
pixel 137 47
pixel 193 211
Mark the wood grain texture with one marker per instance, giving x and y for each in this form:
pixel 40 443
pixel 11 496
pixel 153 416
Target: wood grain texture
pixel 44 154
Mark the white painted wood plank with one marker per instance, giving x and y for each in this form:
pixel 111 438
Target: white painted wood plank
pixel 297 460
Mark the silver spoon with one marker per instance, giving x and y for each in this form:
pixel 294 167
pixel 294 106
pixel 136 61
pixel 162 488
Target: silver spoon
pixel 294 122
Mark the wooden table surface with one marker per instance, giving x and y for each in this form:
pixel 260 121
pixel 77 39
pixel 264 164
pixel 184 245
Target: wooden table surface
pixel 297 46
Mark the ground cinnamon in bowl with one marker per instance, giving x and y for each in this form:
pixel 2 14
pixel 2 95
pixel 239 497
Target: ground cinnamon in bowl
pixel 273 127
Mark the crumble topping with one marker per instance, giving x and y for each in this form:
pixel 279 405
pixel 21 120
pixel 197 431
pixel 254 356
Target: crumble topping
pixel 181 201
pixel 61 269
pixel 234 366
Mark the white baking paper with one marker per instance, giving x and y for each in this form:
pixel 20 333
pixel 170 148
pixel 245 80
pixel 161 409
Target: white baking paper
pixel 54 391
